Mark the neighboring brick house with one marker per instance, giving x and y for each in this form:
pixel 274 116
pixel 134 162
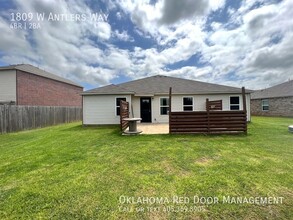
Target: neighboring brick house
pixel 273 101
pixel 28 85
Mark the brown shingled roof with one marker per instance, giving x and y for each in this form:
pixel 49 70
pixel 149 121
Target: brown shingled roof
pixel 159 85
pixel 281 90
pixel 110 89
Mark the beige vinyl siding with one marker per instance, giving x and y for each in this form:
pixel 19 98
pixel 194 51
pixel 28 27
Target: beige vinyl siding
pixel 248 97
pixel 199 104
pixel 135 107
pixel 8 85
pixel 156 111
pixel 101 109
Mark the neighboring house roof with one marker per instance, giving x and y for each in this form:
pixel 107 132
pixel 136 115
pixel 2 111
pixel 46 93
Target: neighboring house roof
pixel 39 72
pixel 159 85
pixel 281 90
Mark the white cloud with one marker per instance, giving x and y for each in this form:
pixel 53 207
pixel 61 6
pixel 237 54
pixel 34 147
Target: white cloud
pixel 123 36
pixel 102 30
pixel 117 59
pixel 215 5
pixel 216 25
pixel 119 15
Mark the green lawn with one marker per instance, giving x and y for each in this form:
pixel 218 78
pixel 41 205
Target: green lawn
pixel 75 172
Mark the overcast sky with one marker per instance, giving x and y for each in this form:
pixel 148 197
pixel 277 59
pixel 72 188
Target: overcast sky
pixel 239 43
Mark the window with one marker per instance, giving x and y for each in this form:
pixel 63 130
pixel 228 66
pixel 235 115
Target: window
pixel 187 103
pixel 118 105
pixel 164 106
pixel 265 104
pixel 234 103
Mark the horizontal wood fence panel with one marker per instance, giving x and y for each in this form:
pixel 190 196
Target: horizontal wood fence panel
pixel 230 122
pixel 192 126
pixel 186 113
pixel 208 122
pixel 17 118
pixel 189 123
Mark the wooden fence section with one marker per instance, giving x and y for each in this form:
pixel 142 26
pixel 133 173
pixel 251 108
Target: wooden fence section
pixel 124 113
pixel 211 121
pixel 205 122
pixel 17 118
pixel 214 105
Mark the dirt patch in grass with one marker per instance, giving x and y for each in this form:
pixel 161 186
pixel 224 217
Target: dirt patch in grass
pixel 169 168
pixel 205 161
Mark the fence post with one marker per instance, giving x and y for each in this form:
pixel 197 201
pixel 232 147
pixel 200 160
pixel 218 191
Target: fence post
pixel 5 118
pixel 1 120
pixel 170 108
pixel 8 115
pixel 208 114
pixel 244 99
pixel 244 108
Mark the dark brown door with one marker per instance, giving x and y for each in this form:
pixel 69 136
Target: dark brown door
pixel 146 109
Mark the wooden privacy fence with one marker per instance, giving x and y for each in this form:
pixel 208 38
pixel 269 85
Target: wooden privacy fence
pixel 204 122
pixel 17 118
pixel 124 113
pixel 209 121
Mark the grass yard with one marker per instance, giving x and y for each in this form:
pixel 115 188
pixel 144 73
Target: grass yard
pixel 75 172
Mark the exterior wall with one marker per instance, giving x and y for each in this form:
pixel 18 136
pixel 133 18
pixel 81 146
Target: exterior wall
pixel 135 107
pixel 8 85
pixel 282 106
pixel 156 114
pixel 40 91
pixel 101 109
pixel 199 104
pixel 248 106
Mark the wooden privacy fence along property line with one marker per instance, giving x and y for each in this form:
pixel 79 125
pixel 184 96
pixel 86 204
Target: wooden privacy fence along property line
pixel 209 121
pixel 124 113
pixel 17 118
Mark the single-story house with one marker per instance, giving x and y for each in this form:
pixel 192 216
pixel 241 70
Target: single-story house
pixel 149 99
pixel 25 84
pixel 273 101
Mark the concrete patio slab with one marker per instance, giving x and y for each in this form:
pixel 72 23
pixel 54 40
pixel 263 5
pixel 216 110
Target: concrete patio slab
pixel 153 128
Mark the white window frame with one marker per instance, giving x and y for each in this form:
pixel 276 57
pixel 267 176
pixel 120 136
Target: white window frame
pixel 263 105
pixel 116 106
pixel 234 104
pixel 164 105
pixel 187 105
